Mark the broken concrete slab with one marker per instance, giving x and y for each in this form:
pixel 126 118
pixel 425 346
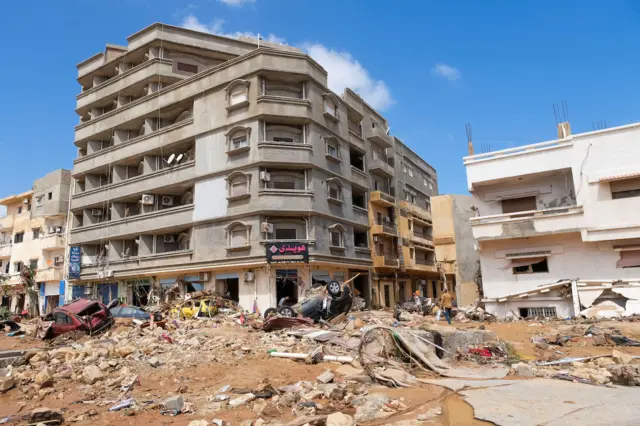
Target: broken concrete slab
pixel 326 377
pixel 546 401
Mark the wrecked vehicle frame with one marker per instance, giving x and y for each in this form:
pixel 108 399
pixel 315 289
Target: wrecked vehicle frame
pixel 84 315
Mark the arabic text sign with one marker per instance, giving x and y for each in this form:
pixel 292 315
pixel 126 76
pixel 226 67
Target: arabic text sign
pixel 74 262
pixel 287 252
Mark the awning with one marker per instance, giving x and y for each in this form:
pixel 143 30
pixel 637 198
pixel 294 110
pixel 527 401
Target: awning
pixel 516 263
pixel 619 176
pixel 629 259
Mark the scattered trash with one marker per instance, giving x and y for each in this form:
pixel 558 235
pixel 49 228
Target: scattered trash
pixel 124 404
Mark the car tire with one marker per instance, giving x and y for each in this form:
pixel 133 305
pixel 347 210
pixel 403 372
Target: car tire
pixel 334 288
pixel 287 311
pixel 269 312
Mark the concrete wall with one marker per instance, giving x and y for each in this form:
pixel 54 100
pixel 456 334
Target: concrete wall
pixel 467 257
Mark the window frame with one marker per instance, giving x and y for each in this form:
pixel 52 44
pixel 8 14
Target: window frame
pixel 338 230
pixel 18 237
pixel 180 67
pixel 336 185
pixel 528 269
pixel 233 89
pixel 235 227
pixel 235 179
pixel 237 132
pixel 331 105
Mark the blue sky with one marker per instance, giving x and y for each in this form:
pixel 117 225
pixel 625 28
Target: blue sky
pixel 429 66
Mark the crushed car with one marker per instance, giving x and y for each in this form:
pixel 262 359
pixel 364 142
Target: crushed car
pixel 333 301
pixel 123 311
pixel 84 315
pixel 195 308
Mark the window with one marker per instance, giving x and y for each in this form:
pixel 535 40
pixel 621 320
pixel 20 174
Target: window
pixel 58 260
pixel 18 238
pixel 238 184
pixel 33 263
pixel 538 312
pixel 529 266
pixel 190 68
pixel 239 142
pixel 238 234
pixel 629 259
pixel 286 234
pixel 238 138
pixel 284 185
pixel 330 107
pixel 50 196
pixel 62 318
pixel 39 200
pixel 404 168
pixel 425 182
pixel 410 171
pixel 336 238
pixel 334 192
pixel 625 188
pixel 515 205
pixel 36 233
pixel 238 94
pixel 332 150
pixel 282 139
pixel 20 210
pixel 17 266
pixel 239 187
pixel 334 189
pixel 430 185
pixel 7 268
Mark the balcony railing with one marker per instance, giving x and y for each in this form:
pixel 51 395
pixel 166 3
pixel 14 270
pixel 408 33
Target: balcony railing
pixel 52 242
pixel 385 262
pixel 381 167
pixel 5 250
pixel 417 212
pixel 547 221
pixel 386 228
pixel 378 136
pixel 423 239
pixel 382 198
pixel 50 274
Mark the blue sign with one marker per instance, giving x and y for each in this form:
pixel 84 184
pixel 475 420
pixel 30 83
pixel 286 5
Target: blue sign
pixel 75 258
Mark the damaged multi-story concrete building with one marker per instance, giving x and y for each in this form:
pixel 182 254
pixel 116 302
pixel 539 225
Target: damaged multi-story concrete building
pixel 205 161
pixel 33 234
pixel 557 223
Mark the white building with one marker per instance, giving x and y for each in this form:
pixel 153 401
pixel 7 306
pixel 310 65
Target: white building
pixel 558 223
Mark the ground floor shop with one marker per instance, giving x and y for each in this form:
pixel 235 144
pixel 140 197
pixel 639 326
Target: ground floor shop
pixel 389 290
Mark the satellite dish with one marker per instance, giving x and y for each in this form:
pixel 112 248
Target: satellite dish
pixel 179 158
pixel 171 158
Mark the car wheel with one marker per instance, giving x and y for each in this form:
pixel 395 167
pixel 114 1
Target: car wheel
pixel 287 312
pixel 269 312
pixel 334 288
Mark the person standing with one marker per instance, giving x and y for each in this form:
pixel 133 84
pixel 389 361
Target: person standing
pixel 446 303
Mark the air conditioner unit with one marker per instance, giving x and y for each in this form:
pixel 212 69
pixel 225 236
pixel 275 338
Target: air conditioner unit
pixel 169 239
pixel 59 230
pixel 167 200
pixel 267 227
pixel 264 176
pixel 100 275
pixel 147 199
pixel 249 276
pixel 375 238
pixel 108 273
pixel 204 276
pixel 96 212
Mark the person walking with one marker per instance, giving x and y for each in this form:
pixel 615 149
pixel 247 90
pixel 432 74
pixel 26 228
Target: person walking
pixel 446 303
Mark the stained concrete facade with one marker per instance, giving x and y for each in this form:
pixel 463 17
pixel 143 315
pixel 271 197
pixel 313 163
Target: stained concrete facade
pixel 455 245
pixel 196 153
pixel 33 234
pixel 558 210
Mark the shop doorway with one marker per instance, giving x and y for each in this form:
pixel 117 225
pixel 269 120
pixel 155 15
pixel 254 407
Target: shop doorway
pixel 287 285
pixel 6 301
pixel 19 303
pixel 141 294
pixel 232 289
pixel 402 288
pixel 387 296
pixel 52 302
pixel 361 287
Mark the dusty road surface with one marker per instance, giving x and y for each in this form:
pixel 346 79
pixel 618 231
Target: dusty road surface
pixel 223 371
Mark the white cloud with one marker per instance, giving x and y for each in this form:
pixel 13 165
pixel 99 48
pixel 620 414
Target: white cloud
pixel 345 71
pixel 236 3
pixel 216 27
pixel 447 71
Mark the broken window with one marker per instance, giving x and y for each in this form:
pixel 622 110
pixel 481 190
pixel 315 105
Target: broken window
pixel 18 238
pixel 62 318
pixel 529 266
pixel 629 259
pixel 515 205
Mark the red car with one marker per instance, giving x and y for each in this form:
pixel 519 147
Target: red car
pixel 89 316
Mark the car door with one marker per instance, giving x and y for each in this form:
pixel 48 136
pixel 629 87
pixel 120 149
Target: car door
pixel 64 323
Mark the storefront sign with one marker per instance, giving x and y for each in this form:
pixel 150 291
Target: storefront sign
pixel 75 258
pixel 287 253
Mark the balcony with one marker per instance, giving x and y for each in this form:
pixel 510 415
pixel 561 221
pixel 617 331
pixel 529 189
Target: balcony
pixel 361 215
pixel 280 106
pixel 291 200
pixel 379 137
pixel 52 242
pixel 421 239
pixel 50 274
pixel 137 76
pixel 381 167
pixel 382 199
pixel 134 225
pixel 7 222
pixel 356 140
pixel 384 262
pixel 144 183
pixel 140 145
pixel 422 266
pixel 388 229
pixel 417 212
pixel 528 223
pixel 5 250
pixel 284 153
pixel 133 266
pixel 359 177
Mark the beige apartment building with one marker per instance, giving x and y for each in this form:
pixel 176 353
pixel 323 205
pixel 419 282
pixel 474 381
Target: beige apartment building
pixel 205 161
pixel 33 234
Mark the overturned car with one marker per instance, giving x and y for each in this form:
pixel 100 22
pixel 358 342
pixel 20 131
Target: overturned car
pixel 88 316
pixel 333 301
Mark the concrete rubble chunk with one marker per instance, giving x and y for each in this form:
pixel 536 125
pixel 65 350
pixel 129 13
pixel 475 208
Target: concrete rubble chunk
pixel 174 403
pixel 43 376
pixel 326 377
pixel 124 351
pixel 199 423
pixel 339 419
pixel 430 414
pixel 6 382
pixel 523 370
pixel 622 358
pixel 625 374
pixel 369 407
pixel 241 400
pixel 91 374
pixel 154 361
